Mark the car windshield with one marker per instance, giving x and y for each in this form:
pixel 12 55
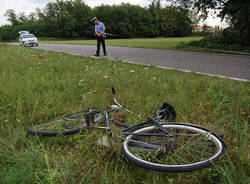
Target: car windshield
pixel 28 36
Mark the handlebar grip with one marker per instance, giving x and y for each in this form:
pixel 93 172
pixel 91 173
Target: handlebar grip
pixel 113 90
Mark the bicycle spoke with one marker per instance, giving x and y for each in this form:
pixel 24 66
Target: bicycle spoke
pixel 179 146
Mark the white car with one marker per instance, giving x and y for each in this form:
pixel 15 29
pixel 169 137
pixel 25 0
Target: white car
pixel 28 40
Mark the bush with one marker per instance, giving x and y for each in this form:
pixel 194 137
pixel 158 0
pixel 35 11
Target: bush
pixel 8 33
pixel 229 39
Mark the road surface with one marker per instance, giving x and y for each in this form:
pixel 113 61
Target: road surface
pixel 231 66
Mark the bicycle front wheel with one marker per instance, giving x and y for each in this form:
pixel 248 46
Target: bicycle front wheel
pixel 184 148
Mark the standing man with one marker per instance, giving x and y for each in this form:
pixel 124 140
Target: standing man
pixel 99 32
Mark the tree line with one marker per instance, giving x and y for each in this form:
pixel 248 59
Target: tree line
pixel 236 12
pixel 71 19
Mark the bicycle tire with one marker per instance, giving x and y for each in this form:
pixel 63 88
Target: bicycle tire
pixel 45 129
pixel 69 125
pixel 171 164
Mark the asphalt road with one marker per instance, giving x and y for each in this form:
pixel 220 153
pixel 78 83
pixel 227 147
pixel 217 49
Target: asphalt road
pixel 223 65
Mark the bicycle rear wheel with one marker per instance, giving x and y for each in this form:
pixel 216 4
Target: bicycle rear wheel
pixel 186 148
pixel 70 124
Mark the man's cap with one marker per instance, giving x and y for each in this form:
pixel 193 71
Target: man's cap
pixel 94 19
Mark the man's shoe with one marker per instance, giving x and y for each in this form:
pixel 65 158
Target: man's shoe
pixel 96 55
pixel 105 54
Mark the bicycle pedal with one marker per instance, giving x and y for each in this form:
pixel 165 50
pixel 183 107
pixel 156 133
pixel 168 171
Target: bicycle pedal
pixel 104 141
pixel 220 135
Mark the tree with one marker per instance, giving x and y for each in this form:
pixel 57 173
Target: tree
pixel 193 16
pixel 82 14
pixel 61 22
pixel 71 18
pixel 126 20
pixel 202 6
pixel 176 22
pixel 237 12
pixel 22 17
pixel 12 17
pixel 155 11
pixel 32 16
pixel 205 28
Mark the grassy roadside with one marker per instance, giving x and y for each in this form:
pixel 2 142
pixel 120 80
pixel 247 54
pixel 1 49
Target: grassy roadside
pixel 186 47
pixel 39 86
pixel 154 43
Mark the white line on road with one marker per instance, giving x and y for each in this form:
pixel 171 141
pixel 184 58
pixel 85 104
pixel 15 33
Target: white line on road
pixel 187 71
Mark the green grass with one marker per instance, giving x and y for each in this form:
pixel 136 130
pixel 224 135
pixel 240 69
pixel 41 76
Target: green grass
pixel 40 86
pixel 154 43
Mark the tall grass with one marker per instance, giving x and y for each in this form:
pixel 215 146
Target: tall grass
pixel 39 86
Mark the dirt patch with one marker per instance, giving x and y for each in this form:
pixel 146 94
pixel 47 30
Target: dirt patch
pixel 41 57
pixel 119 117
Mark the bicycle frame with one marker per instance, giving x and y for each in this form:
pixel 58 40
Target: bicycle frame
pixel 128 129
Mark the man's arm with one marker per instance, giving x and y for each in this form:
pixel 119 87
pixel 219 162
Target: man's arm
pixel 103 29
pixel 98 34
pixel 103 32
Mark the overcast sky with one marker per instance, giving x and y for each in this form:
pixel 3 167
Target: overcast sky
pixel 28 6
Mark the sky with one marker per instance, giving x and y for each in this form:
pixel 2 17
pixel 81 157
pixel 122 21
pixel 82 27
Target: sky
pixel 28 6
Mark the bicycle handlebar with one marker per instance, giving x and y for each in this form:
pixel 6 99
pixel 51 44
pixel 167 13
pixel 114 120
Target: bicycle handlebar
pixel 113 90
pixel 116 103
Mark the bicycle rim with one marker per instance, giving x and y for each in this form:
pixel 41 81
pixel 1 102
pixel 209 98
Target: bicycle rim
pixel 56 127
pixel 187 148
pixel 70 124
